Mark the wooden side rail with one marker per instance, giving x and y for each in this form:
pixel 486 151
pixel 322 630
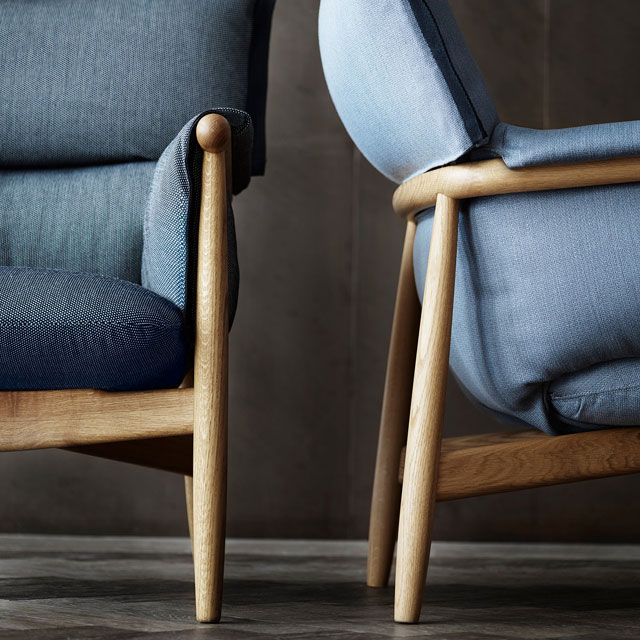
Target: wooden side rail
pixel 493 177
pixel 502 462
pixel 67 418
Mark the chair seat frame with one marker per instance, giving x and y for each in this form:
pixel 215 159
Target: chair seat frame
pixel 180 430
pixel 415 466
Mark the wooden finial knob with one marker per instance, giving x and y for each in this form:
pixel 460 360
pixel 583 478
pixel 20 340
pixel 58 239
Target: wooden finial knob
pixel 213 132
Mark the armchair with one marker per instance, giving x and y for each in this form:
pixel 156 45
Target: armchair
pixel 523 247
pixel 119 273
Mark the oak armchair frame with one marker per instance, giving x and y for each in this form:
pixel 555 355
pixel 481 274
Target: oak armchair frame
pixel 415 466
pixel 181 430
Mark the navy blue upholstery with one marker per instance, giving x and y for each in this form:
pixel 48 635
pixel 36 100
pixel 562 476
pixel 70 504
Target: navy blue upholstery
pixel 60 330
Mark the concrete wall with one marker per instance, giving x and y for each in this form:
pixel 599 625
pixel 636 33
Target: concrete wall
pixel 319 251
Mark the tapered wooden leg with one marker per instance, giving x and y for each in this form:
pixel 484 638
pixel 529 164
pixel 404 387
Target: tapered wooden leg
pixel 210 374
pixel 427 414
pixel 385 502
pixel 188 494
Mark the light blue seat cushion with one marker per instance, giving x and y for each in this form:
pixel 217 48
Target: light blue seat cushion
pixel 89 82
pixel 547 305
pixel 60 330
pixel 403 82
pixel 606 393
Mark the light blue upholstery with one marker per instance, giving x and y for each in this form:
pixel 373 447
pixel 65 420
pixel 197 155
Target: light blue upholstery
pixel 56 218
pixel 88 82
pixel 546 305
pixel 546 321
pixel 520 147
pixel 404 84
pixel 61 330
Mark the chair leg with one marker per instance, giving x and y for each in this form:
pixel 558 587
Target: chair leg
pixel 385 503
pixel 188 494
pixel 210 374
pixel 427 414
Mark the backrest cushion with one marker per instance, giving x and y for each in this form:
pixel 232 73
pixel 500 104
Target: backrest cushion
pixel 402 80
pixel 55 218
pixel 89 81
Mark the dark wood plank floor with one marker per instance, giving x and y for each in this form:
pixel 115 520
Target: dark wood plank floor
pixel 65 587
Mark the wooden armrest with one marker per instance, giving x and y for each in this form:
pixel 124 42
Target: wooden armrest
pixel 493 177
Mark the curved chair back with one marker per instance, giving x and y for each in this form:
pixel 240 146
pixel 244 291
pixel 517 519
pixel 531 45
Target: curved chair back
pixel 404 83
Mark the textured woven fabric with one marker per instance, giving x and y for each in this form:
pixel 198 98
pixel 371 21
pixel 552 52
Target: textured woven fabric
pixel 172 214
pixel 521 147
pixel 607 393
pixel 57 218
pixel 87 82
pixel 60 329
pixel 547 305
pixel 404 83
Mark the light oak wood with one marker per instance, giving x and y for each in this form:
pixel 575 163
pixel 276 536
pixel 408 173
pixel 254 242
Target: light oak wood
pixel 493 177
pixel 188 495
pixel 538 462
pixel 210 372
pixel 43 419
pixel 427 414
pixel 478 440
pixel 173 453
pixel 385 503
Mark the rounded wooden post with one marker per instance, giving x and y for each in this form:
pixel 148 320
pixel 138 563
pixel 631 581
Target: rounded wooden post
pixel 210 373
pixel 427 414
pixel 394 421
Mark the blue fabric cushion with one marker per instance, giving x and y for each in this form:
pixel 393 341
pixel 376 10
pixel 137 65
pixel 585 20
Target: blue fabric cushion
pixel 60 330
pixel 604 394
pixel 172 215
pixel 521 147
pixel 88 82
pixel 547 304
pixel 58 218
pixel 404 83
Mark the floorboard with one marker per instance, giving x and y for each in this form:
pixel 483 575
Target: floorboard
pixel 54 588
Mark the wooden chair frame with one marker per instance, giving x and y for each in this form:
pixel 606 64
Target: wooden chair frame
pixel 181 430
pixel 435 469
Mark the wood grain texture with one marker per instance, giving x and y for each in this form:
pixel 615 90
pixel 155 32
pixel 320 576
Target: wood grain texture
pixel 188 496
pixel 492 177
pixel 427 414
pixel 478 440
pixel 538 462
pixel 210 374
pixel 394 421
pixel 174 453
pixel 43 419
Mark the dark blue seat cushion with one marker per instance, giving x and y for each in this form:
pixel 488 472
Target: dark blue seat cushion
pixel 66 330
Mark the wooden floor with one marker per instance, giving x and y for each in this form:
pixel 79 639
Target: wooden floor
pixel 65 587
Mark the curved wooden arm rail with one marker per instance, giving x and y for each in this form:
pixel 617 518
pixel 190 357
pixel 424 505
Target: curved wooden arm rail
pixel 493 177
pixel 437 469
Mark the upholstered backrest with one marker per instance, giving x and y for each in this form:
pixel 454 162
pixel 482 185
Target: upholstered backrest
pixel 403 82
pixel 95 81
